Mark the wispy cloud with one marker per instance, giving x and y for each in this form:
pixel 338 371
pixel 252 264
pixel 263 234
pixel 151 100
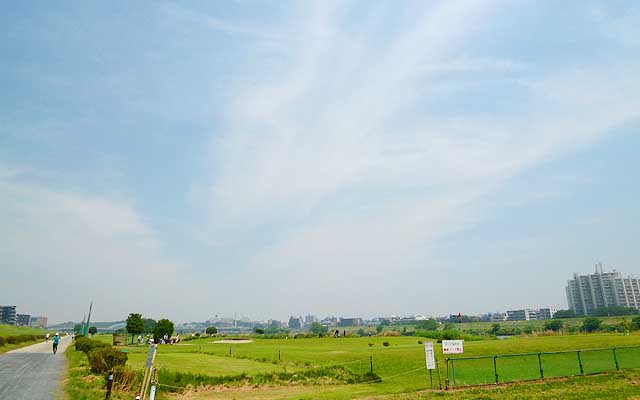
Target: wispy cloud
pixel 344 157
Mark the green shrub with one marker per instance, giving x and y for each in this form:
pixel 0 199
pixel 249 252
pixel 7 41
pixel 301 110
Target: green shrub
pixel 103 359
pixel 385 344
pixel 86 345
pixel 2 341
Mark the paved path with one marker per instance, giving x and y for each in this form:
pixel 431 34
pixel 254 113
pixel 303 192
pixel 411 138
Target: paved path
pixel 32 372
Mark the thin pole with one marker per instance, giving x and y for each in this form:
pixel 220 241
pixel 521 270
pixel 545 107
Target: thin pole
pixel 279 355
pixel 495 368
pixel 438 369
pixel 446 381
pixel 431 378
pixel 453 372
pixel 540 366
pixel 580 362
pixel 371 363
pixel 615 358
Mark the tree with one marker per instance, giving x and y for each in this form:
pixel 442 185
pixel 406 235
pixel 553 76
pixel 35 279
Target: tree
pixel 211 330
pixel 635 323
pixel 379 328
pixel 495 328
pixel 135 326
pixel 427 325
pixel 318 329
pixel 149 324
pixel 93 330
pixel 259 331
pixel 564 314
pixel 553 325
pixel 77 329
pixel 613 310
pixel 163 327
pixel 591 324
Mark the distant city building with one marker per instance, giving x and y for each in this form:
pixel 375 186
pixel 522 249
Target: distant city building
pixel 23 319
pixel 602 289
pixel 522 315
pixel 8 315
pixel 310 319
pixel 498 316
pixel 39 322
pixel 330 321
pixel 546 313
pixel 296 322
pixel 350 321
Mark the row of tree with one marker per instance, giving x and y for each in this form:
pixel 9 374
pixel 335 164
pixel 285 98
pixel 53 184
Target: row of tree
pixel 136 325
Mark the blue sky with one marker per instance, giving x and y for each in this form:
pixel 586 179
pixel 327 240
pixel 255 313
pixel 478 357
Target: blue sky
pixel 188 159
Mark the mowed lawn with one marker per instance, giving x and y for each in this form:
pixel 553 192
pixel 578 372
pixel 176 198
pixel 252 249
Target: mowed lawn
pixel 401 365
pixel 12 330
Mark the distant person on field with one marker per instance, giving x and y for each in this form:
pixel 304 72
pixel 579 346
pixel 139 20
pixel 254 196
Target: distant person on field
pixel 56 340
pixel 46 337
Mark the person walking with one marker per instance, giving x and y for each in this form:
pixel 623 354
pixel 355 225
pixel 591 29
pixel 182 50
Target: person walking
pixel 46 337
pixel 56 340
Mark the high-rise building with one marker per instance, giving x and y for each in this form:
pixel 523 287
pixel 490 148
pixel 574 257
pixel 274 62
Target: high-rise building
pixel 296 322
pixel 8 315
pixel 602 289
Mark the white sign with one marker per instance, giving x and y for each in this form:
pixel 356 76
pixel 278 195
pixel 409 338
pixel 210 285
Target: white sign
pixel 452 346
pixel 430 354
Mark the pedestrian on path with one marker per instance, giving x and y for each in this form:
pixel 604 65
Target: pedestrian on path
pixel 56 340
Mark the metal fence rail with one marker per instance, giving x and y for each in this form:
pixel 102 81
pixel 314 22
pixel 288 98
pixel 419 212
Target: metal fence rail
pixel 501 368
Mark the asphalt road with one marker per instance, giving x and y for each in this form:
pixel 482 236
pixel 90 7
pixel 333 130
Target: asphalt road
pixel 32 372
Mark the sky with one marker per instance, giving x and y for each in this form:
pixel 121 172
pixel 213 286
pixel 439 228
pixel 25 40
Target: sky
pixel 349 158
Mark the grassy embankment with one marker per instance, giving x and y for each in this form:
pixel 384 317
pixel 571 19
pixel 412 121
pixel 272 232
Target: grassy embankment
pixel 400 365
pixel 11 330
pixel 81 384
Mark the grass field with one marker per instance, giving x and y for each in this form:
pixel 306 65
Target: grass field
pixel 12 330
pixel 538 324
pixel 400 365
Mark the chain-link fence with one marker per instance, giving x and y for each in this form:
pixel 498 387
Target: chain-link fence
pixel 483 370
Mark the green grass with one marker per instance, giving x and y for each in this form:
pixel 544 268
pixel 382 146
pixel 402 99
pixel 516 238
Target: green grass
pixel 12 330
pixel 81 384
pixel 400 365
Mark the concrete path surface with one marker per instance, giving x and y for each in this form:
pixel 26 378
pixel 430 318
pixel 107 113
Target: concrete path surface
pixel 32 372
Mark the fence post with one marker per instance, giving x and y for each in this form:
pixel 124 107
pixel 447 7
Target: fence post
pixel 580 362
pixel 446 380
pixel 540 365
pixel 109 385
pixel 615 358
pixel 279 355
pixel 371 363
pixel 495 368
pixel 453 371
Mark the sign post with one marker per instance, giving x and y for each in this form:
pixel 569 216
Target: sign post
pixel 148 371
pixel 430 360
pixel 452 347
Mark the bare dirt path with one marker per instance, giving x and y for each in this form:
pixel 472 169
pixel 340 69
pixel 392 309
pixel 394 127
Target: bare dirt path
pixel 32 372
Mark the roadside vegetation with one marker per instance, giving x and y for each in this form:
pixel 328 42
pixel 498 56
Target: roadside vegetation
pixel 13 337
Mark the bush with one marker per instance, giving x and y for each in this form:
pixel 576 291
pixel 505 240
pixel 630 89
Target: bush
pixel 2 341
pixel 86 345
pixel 211 330
pixel 591 324
pixel 103 359
pixel 385 344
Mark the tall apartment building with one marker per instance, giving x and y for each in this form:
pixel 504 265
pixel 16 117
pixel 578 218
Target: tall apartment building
pixel 602 289
pixel 8 315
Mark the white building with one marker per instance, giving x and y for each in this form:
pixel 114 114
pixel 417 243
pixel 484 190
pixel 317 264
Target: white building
pixel 602 289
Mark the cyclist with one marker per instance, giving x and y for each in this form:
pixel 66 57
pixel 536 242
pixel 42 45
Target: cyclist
pixel 56 340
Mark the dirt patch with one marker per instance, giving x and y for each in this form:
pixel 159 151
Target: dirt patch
pixel 229 341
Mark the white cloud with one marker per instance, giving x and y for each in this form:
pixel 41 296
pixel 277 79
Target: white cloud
pixel 70 247
pixel 350 120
